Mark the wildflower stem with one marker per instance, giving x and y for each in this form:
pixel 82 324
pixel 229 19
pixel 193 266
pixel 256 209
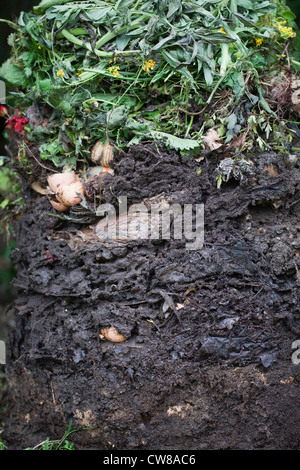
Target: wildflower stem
pixel 133 83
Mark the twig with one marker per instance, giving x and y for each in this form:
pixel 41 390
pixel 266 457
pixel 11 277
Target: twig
pixel 183 331
pixel 185 111
pixel 43 166
pixel 10 23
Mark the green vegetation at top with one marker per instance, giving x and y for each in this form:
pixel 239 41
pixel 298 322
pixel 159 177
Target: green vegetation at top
pixel 133 70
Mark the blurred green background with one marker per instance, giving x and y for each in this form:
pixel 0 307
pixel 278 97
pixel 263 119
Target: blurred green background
pixel 295 7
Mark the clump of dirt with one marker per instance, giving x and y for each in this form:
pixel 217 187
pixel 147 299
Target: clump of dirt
pixel 207 363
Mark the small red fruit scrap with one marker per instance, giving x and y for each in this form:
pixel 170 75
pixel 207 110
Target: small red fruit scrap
pixel 3 111
pixel 17 123
pixel 48 257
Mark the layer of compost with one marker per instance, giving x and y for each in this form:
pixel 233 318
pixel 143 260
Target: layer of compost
pixel 207 363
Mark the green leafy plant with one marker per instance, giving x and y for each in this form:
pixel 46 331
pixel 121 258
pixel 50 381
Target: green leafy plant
pixel 58 444
pixel 2 446
pixel 129 70
pixel 49 444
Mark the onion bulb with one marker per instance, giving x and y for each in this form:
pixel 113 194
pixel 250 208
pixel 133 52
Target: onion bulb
pixel 98 170
pixel 111 334
pixel 67 190
pixel 102 153
pixel 59 206
pixel 58 179
pixel 69 194
pixel 36 186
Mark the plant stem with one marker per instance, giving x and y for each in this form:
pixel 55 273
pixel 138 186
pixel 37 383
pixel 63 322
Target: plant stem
pixel 45 4
pixel 111 34
pixel 67 35
pixel 75 32
pixel 133 83
pixel 10 23
pixel 189 126
pixel 70 37
pixel 215 89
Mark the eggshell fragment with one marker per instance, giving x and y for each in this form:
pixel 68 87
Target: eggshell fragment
pixel 58 206
pixel 111 334
pixel 36 186
pixel 70 194
pixel 98 170
pixel 58 179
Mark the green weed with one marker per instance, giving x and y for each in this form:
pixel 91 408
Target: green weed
pixel 2 446
pixel 129 70
pixel 58 444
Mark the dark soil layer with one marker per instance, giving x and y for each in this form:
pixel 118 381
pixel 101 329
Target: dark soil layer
pixel 216 374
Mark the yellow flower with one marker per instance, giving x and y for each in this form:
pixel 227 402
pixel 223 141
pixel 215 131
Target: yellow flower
pixel 79 72
pixel 60 73
pixel 149 65
pixel 238 54
pixel 258 41
pixel 285 31
pixel 222 30
pixel 39 47
pixel 114 70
